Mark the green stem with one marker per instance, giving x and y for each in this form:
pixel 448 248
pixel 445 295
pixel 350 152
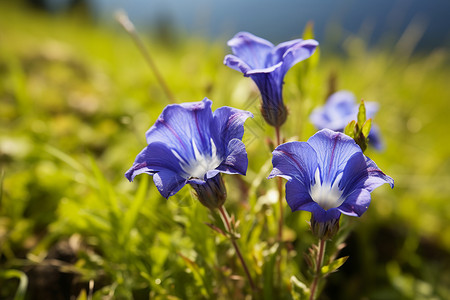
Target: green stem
pixel 123 20
pixel 317 274
pixel 225 219
pixel 280 194
pixel 281 216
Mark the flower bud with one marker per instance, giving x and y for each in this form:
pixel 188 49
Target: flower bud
pixel 211 193
pixel 324 230
pixel 275 115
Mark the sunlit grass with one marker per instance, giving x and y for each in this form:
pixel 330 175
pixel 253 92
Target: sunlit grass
pixel 76 100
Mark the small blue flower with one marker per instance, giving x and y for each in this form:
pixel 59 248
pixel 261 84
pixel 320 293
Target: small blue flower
pixel 267 65
pixel 340 109
pixel 327 175
pixel 191 144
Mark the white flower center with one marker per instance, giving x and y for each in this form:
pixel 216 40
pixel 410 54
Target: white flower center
pixel 201 163
pixel 327 195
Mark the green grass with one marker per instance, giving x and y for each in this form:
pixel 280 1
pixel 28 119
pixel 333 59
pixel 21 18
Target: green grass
pixel 76 100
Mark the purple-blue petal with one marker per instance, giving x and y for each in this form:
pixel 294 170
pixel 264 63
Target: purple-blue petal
pixel 375 139
pixel 237 64
pixel 296 53
pixel 157 160
pixel 168 182
pixel 376 176
pixel 356 203
pixel 354 175
pixel 298 196
pixel 338 111
pixel 236 160
pixel 295 160
pixel 322 216
pixel 270 87
pixel 229 124
pixel 179 125
pixel 280 50
pixel 333 150
pixel 152 159
pixel 251 49
pixel 371 109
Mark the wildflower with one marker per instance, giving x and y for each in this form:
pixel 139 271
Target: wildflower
pixel 340 109
pixel 189 144
pixel 267 65
pixel 327 175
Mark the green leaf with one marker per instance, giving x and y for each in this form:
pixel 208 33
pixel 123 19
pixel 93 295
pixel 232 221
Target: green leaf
pixel 269 271
pixel 131 215
pixel 23 282
pixel 362 113
pixel 299 289
pixel 350 129
pixel 199 275
pixel 82 295
pixel 334 265
pixel 308 32
pixel 366 128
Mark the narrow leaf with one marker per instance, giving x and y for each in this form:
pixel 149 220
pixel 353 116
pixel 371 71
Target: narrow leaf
pixel 269 271
pixel 217 229
pixel 298 285
pixel 334 265
pixel 366 127
pixel 23 282
pixel 350 129
pixel 362 113
pixel 308 32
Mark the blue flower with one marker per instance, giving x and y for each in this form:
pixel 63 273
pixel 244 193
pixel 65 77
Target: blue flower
pixel 189 144
pixel 267 65
pixel 339 110
pixel 327 175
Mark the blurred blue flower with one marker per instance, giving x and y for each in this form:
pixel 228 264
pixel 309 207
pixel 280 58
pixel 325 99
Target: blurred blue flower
pixel 191 144
pixel 340 109
pixel 267 65
pixel 327 175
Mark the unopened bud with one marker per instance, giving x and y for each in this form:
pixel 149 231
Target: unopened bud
pixel 275 115
pixel 324 230
pixel 211 193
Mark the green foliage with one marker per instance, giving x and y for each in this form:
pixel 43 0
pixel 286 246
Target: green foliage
pixel 76 100
pixel 333 266
pixel 359 130
pixel 23 282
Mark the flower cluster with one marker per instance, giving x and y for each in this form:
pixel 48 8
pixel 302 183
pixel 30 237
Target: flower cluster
pixel 328 175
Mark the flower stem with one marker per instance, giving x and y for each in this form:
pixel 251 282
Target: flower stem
pixel 225 219
pixel 281 217
pixel 317 274
pixel 280 193
pixel 123 20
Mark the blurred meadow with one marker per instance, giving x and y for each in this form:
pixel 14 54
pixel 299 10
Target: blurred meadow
pixel 76 99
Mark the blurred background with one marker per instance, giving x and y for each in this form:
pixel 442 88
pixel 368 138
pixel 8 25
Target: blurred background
pixel 381 22
pixel 76 98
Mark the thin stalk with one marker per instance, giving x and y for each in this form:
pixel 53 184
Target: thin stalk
pixel 317 274
pixel 281 217
pixel 280 193
pixel 225 219
pixel 123 20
